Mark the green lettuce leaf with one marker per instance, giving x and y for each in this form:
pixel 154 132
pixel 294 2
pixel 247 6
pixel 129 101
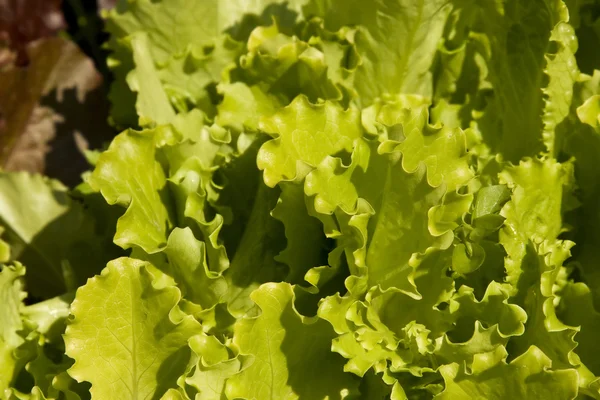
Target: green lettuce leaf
pixel 492 378
pixel 148 336
pixel 289 353
pixel 395 39
pixel 12 295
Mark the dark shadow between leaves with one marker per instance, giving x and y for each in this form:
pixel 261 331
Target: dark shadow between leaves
pixel 314 371
pixel 68 250
pixel 280 12
pixel 65 161
pixel 171 369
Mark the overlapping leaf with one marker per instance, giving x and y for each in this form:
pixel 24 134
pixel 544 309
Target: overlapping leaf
pixel 387 199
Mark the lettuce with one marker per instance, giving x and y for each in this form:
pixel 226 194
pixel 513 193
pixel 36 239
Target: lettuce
pixel 316 199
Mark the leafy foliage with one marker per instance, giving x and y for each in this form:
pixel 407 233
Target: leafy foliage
pixel 315 199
